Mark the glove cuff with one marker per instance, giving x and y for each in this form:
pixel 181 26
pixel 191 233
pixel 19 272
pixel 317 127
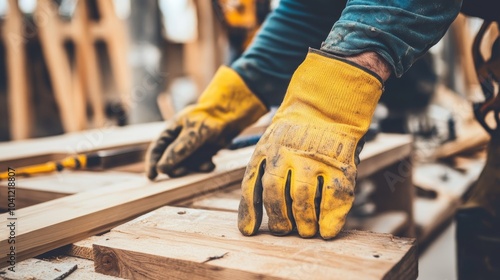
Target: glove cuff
pixel 333 91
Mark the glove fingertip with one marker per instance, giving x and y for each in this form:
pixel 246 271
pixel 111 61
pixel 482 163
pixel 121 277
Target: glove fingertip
pixel 250 208
pixel 177 172
pixel 330 234
pixel 150 169
pixel 151 174
pixel 207 166
pixel 331 226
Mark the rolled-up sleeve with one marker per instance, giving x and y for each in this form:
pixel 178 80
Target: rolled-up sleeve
pixel 399 31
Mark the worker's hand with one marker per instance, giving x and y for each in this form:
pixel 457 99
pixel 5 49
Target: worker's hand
pixel 224 109
pixel 304 166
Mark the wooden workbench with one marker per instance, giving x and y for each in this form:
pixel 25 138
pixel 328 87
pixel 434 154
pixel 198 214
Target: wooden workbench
pixel 382 159
pixel 379 158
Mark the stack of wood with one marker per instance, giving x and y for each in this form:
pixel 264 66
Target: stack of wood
pixel 75 205
pixel 71 61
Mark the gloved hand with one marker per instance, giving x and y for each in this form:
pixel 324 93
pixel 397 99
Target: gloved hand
pixel 304 167
pixel 198 132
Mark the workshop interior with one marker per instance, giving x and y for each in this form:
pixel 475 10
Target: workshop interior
pixel 86 86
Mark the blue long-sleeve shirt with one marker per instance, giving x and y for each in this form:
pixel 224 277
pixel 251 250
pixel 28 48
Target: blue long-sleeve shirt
pixel 399 31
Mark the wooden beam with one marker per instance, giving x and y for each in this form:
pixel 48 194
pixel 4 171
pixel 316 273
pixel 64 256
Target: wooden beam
pixel 59 222
pixel 38 189
pixel 228 199
pixel 450 185
pixel 183 243
pixel 19 98
pixel 473 137
pixel 57 62
pixel 83 248
pixel 87 62
pixel 116 39
pixel 33 151
pixel 384 150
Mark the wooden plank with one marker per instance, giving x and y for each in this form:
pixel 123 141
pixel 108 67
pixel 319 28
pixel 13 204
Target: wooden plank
pixel 87 62
pixel 38 269
pixel 392 222
pixel 114 34
pixel 227 199
pixel 206 48
pixel 430 214
pixel 57 62
pixel 443 178
pixel 395 190
pixel 383 151
pixel 450 185
pixel 78 88
pixel 33 151
pixel 31 191
pixel 20 106
pixel 389 222
pixel 387 154
pixel 473 137
pixel 83 248
pixel 183 243
pixel 59 222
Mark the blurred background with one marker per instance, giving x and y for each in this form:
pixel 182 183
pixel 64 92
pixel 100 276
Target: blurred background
pixel 68 65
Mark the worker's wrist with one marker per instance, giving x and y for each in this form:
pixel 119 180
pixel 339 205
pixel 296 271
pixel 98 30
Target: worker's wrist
pixel 373 62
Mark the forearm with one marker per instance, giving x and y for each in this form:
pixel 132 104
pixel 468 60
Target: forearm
pixel 282 44
pixel 398 31
pixel 373 62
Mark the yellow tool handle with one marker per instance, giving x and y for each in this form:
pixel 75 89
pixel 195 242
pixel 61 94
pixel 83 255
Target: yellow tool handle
pixel 76 162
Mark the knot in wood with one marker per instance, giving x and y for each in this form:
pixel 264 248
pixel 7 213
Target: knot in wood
pixel 108 261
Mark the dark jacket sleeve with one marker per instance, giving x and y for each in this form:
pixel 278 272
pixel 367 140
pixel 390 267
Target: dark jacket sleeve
pixel 400 31
pixel 282 44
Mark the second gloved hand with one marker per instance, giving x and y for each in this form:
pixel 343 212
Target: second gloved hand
pixel 304 167
pixel 198 132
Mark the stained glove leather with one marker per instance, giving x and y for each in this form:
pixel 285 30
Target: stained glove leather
pixel 304 167
pixel 198 132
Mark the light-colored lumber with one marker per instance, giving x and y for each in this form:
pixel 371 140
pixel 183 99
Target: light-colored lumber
pixel 383 151
pixel 32 151
pixel 83 248
pixel 87 62
pixel 57 62
pixel 473 137
pixel 206 48
pixel 450 185
pixel 112 31
pixel 395 190
pixel 34 190
pixel 463 44
pixel 59 222
pixel 393 222
pixel 443 178
pixel 430 214
pixel 182 243
pixel 20 106
pixel 38 269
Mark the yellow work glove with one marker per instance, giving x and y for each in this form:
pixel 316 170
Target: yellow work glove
pixel 304 167
pixel 198 132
